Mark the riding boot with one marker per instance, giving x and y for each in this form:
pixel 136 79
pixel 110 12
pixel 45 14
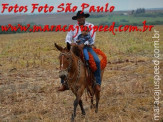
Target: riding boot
pixel 87 63
pixel 62 88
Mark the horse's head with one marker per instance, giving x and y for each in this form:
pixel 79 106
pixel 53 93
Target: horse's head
pixel 65 59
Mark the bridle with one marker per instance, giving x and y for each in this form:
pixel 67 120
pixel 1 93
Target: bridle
pixel 68 78
pixel 70 61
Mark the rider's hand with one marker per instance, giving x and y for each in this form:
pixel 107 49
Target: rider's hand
pixel 78 41
pixel 81 46
pixel 86 43
pixel 73 44
pixel 93 46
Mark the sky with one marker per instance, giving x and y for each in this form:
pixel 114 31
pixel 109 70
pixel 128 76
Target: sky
pixel 119 4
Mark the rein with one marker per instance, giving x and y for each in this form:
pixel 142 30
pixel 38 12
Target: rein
pixel 68 78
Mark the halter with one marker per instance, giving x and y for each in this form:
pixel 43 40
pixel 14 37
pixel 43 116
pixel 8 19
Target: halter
pixel 69 67
pixel 70 61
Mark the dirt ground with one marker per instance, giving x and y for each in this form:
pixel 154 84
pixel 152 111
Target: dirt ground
pixel 30 94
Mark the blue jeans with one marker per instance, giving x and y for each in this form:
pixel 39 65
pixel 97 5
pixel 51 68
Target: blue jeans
pixel 97 73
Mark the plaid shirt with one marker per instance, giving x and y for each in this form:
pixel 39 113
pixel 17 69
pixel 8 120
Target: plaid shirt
pixel 85 38
pixel 70 34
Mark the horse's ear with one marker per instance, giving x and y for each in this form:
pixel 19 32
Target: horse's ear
pixel 68 46
pixel 58 47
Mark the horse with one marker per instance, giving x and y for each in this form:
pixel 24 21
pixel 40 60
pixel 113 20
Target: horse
pixel 73 71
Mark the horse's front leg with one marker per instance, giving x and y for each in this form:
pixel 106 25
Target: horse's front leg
pixel 76 102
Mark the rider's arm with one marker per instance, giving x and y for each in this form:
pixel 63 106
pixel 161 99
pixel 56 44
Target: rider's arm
pixel 69 37
pixel 79 40
pixel 93 34
pixel 90 40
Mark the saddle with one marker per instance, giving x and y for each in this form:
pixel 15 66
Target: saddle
pixel 92 65
pixel 102 57
pixel 88 71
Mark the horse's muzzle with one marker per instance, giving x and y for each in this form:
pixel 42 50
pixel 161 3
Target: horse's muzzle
pixel 63 74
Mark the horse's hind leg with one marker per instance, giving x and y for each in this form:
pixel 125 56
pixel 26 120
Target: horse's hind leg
pixel 92 105
pixel 97 94
pixel 81 106
pixel 91 93
pixel 91 102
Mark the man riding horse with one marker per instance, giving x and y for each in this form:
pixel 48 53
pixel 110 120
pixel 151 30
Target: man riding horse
pixel 80 17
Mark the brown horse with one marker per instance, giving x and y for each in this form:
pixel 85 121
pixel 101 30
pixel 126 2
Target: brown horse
pixel 73 71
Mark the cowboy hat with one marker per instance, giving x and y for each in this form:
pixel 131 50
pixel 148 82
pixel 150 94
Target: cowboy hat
pixel 80 13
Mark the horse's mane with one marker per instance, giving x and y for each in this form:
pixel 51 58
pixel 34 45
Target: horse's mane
pixel 76 50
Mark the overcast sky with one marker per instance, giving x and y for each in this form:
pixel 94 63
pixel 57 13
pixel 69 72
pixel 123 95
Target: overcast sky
pixel 119 4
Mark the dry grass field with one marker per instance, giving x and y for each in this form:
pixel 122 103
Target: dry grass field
pixel 29 77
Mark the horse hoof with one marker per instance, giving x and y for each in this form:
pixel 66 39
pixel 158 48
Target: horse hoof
pixel 83 113
pixel 72 118
pixel 96 110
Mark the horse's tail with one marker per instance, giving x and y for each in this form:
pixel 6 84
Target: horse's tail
pixel 88 93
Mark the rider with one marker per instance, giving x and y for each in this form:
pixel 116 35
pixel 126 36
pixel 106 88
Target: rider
pixel 80 17
pixel 85 39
